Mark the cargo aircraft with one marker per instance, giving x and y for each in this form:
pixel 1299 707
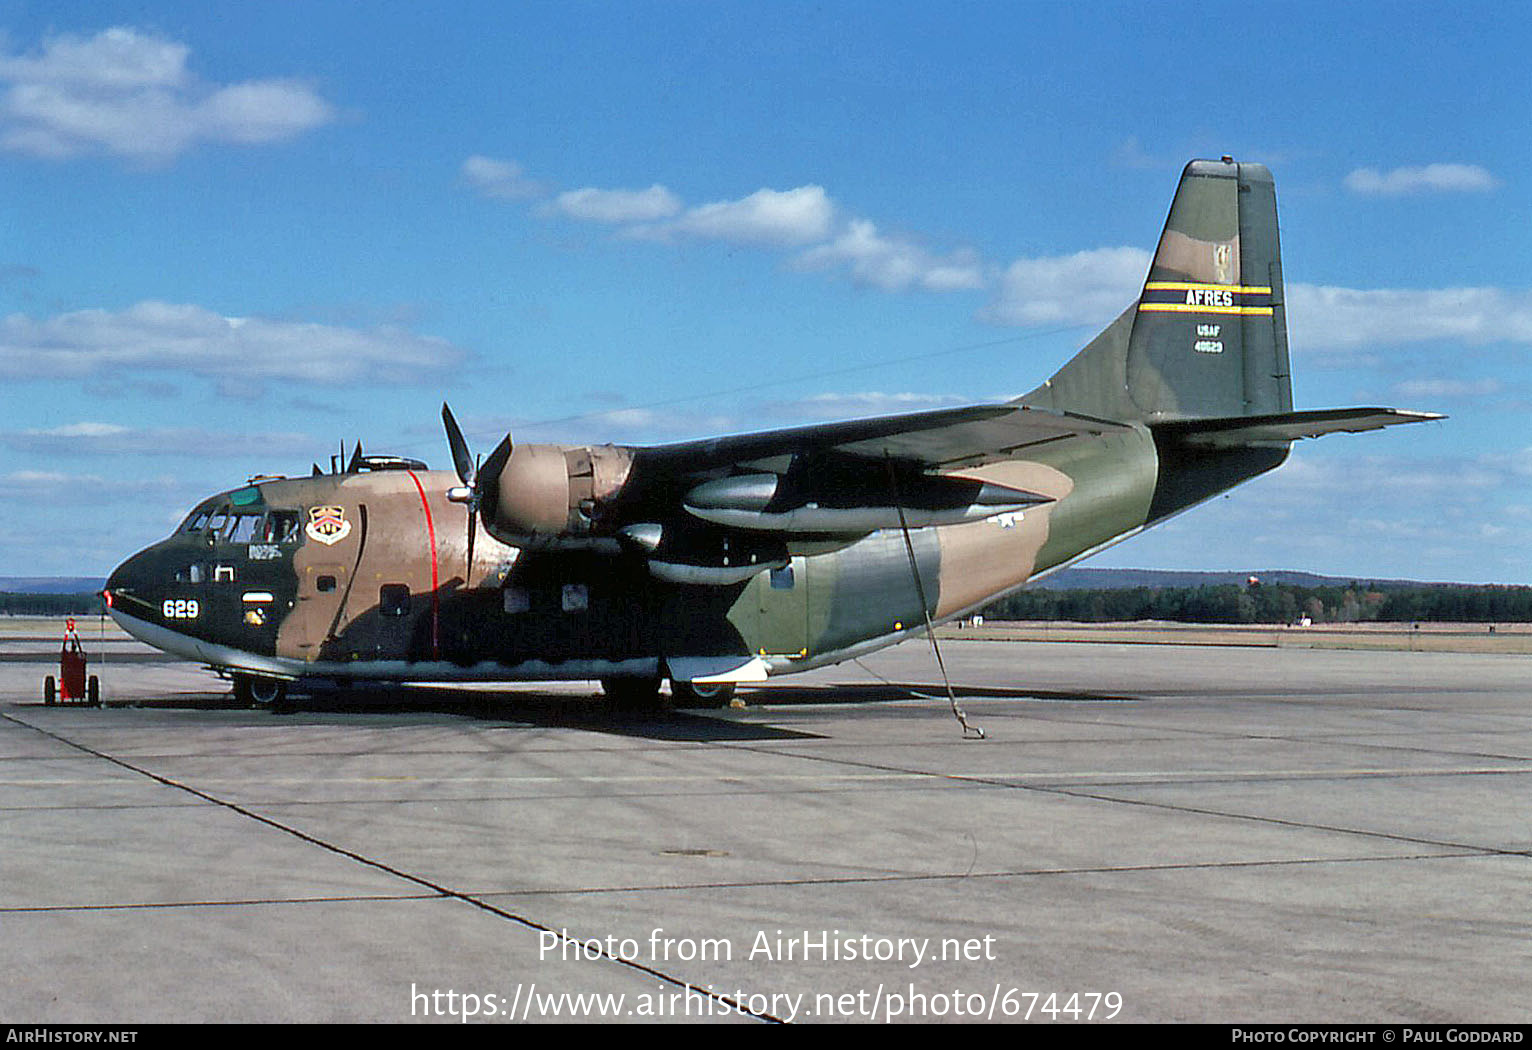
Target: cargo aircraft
pixel 717 562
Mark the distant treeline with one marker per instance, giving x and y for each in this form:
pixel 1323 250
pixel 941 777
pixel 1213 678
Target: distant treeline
pixel 1273 603
pixel 86 603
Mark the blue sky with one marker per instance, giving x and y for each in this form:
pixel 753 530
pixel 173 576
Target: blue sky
pixel 236 234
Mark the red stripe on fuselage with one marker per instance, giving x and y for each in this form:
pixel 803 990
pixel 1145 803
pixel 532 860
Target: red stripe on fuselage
pixel 436 645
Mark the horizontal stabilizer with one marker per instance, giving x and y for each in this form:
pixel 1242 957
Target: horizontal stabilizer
pixel 1284 427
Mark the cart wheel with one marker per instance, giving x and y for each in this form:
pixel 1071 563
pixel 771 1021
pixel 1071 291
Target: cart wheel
pixel 50 691
pixel 93 691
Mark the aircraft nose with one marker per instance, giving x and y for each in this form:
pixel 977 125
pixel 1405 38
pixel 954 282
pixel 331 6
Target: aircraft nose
pixel 125 581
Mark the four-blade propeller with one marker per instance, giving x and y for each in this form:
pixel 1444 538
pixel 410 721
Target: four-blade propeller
pixel 473 475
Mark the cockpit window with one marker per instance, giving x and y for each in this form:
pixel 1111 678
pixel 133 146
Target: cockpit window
pixel 195 521
pixel 281 527
pixel 218 521
pixel 245 528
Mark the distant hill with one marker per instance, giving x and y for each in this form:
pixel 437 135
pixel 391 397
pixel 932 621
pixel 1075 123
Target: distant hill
pixel 50 584
pixel 1157 579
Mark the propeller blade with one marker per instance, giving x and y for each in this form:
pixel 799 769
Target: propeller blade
pixel 356 459
pixel 490 471
pixel 462 459
pixel 473 527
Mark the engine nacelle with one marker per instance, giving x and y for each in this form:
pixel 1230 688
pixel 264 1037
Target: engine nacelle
pixel 550 494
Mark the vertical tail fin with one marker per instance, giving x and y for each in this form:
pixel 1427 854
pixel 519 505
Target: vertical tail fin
pixel 1208 336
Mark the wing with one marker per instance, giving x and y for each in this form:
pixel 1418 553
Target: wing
pixel 721 509
pixel 941 439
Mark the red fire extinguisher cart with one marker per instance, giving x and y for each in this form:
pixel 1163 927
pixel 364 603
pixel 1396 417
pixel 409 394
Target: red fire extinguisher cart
pixel 74 686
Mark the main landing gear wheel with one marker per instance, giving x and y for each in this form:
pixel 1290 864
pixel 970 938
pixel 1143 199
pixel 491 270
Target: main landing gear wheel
pixel 702 694
pixel 259 691
pixel 633 694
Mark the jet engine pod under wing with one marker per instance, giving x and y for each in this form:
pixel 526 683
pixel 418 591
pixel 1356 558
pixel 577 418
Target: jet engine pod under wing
pixel 795 505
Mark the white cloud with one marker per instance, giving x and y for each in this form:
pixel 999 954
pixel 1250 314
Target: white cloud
pixel 501 179
pixel 804 217
pixel 618 206
pixel 892 263
pixel 263 111
pixel 114 58
pixel 1345 318
pixel 867 403
pixel 637 424
pixel 1340 506
pixel 1095 286
pixel 129 93
pixel 35 485
pixel 1432 178
pixel 773 217
pixel 112 439
pixel 196 341
pixel 1447 388
pixel 1086 287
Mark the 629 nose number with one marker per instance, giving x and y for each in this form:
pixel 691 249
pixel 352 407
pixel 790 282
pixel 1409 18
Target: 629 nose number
pixel 181 608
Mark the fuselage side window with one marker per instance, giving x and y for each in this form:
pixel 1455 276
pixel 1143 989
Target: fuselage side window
pixel 196 572
pixel 394 599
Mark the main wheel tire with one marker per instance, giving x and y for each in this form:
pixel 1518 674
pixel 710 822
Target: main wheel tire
pixel 93 691
pixel 702 694
pixel 259 690
pixel 50 691
pixel 633 694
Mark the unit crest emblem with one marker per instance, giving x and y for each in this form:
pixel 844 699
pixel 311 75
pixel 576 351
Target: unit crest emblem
pixel 328 525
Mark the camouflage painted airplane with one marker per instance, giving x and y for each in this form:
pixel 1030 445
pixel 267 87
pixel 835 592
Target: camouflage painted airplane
pixel 715 562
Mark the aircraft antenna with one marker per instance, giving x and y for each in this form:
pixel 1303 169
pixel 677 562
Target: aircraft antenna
pixel 969 731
